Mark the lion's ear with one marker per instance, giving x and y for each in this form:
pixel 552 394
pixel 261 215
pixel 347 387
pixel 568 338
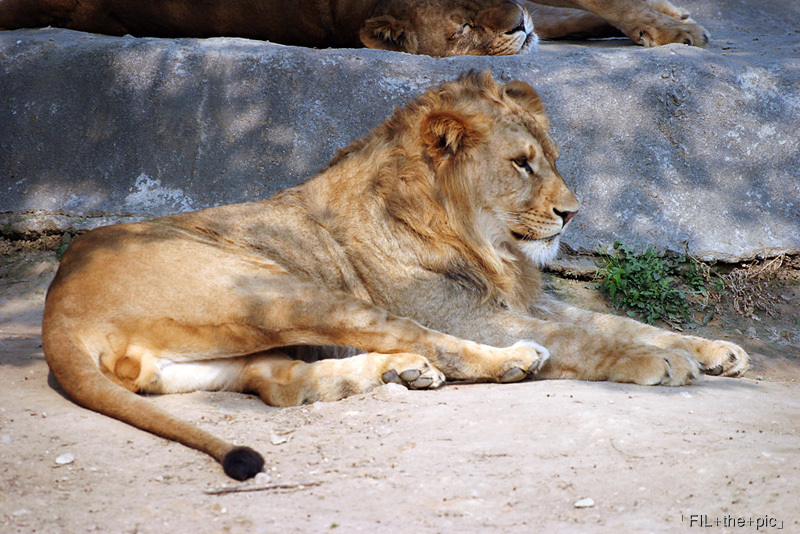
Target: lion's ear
pixel 447 133
pixel 525 95
pixel 388 33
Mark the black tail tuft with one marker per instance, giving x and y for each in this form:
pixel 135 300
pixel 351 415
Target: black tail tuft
pixel 242 463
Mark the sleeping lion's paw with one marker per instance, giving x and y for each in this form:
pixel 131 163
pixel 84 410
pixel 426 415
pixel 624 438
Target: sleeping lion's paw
pixel 527 357
pixel 656 367
pixel 657 29
pixel 412 371
pixel 667 8
pixel 687 33
pixel 722 358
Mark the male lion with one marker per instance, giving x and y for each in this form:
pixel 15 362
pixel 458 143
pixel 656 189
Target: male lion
pixel 419 244
pixel 432 27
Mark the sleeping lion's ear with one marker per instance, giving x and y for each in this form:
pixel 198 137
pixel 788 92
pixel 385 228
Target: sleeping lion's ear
pixel 447 133
pixel 525 95
pixel 388 33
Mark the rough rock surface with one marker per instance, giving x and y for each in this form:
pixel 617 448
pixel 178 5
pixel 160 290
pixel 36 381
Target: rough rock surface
pixel 673 147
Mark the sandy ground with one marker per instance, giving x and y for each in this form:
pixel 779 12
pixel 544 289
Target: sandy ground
pixel 468 457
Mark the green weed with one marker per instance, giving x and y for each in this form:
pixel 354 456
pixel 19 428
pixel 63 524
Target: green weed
pixel 651 287
pixel 61 250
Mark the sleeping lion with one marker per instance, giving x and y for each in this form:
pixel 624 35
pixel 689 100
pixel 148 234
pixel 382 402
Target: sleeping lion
pixel 432 27
pixel 412 258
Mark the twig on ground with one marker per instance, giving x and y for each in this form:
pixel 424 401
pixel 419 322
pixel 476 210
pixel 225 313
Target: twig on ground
pixel 239 488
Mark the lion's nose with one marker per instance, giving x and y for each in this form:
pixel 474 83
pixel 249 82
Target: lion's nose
pixel 566 216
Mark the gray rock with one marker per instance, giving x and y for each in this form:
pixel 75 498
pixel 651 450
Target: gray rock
pixel 675 147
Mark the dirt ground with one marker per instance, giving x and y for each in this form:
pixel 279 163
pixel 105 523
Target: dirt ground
pixel 722 455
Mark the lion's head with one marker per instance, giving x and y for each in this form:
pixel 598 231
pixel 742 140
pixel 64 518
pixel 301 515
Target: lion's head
pixel 446 28
pixel 469 171
pixel 495 163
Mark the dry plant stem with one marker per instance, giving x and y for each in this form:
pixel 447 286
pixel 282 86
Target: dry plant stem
pixel 748 287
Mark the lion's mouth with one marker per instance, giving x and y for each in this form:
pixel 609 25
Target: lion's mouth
pixel 528 238
pixel 521 237
pixel 531 41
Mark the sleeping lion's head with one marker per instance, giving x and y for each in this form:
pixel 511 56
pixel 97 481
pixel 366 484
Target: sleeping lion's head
pixel 447 28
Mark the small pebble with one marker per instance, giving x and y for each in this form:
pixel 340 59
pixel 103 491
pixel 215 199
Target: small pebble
pixel 390 391
pixel 64 459
pixel 262 478
pixel 278 440
pixel 586 502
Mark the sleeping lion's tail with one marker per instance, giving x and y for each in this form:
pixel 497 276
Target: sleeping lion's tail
pixel 82 379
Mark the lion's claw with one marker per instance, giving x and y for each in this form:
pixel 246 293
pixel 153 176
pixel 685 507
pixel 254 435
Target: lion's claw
pixel 424 377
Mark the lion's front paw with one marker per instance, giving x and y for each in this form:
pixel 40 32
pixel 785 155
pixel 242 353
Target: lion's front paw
pixel 722 358
pixel 526 357
pixel 412 371
pixel 667 30
pixel 656 367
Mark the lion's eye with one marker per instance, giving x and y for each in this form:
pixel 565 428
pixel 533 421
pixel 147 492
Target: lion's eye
pixel 463 28
pixel 522 163
pixel 519 28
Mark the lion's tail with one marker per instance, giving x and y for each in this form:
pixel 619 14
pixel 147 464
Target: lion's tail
pixel 85 383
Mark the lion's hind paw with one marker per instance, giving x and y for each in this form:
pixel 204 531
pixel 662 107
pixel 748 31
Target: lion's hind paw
pixel 721 358
pixel 681 369
pixel 652 366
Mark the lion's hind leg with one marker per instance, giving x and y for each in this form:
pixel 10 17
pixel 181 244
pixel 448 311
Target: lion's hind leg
pixel 595 356
pixel 715 357
pixel 561 23
pixel 282 381
pixel 718 357
pixel 653 366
